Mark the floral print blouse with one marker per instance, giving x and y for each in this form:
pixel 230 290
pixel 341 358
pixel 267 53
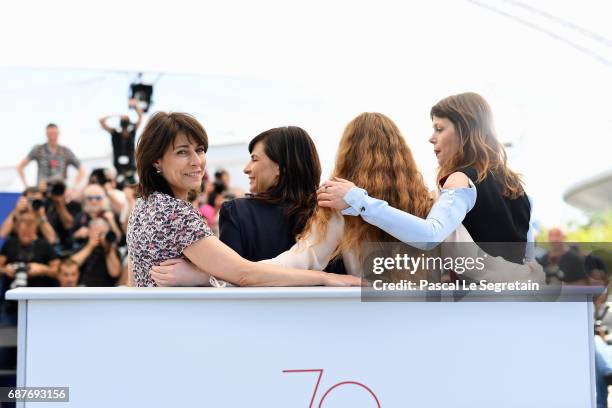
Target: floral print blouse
pixel 160 228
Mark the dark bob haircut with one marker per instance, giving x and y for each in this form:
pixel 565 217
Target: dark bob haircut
pixel 158 136
pixel 300 172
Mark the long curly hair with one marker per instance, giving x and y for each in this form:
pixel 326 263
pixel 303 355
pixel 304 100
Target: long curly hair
pixel 473 120
pixel 374 155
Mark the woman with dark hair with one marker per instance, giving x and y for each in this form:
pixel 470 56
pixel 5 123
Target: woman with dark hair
pixel 478 189
pixel 284 174
pixel 171 157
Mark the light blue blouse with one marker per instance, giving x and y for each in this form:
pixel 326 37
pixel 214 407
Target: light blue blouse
pixel 445 216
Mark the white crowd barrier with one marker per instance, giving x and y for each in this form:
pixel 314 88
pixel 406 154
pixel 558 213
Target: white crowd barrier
pixel 300 347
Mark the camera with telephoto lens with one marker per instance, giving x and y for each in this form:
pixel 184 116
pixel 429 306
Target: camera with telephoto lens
pixel 56 189
pixel 21 275
pixel 98 176
pixel 110 237
pixel 125 178
pixel 37 204
pixel 219 186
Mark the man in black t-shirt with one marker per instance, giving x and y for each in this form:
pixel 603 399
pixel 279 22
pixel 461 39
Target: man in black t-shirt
pixel 36 254
pixel 32 199
pixel 26 260
pixel 123 140
pixel 61 214
pixel 98 260
pixel 563 263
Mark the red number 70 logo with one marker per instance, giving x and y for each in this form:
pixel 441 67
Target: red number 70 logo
pixel 330 389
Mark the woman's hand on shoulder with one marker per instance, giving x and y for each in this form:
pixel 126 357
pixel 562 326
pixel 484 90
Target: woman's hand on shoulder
pixel 457 180
pixel 179 272
pixel 331 193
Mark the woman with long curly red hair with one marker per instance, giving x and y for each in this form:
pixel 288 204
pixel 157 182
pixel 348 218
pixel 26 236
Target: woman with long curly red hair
pixel 373 152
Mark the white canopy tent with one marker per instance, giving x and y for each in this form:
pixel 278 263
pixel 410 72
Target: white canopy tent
pixel 242 67
pixel 592 194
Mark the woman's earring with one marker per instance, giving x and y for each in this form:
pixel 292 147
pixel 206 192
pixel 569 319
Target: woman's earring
pixel 158 170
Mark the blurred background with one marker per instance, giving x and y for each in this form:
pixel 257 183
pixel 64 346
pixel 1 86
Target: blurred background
pixel 243 67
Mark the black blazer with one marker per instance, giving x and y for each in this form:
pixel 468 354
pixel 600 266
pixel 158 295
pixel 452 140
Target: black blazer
pixel 257 230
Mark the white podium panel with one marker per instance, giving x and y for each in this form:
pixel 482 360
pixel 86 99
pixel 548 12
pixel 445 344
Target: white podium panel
pixel 248 347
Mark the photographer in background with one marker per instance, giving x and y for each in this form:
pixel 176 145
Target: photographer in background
pixel 107 179
pixel 222 176
pixel 95 205
pixel 563 263
pixel 99 261
pixel 31 200
pixel 214 199
pixel 26 260
pixel 68 275
pixel 52 159
pixel 60 212
pixel 123 140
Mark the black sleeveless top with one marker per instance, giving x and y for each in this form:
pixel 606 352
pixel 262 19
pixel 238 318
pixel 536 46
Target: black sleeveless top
pixel 497 223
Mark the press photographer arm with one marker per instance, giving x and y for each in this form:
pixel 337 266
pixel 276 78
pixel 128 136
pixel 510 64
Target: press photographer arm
pixel 113 196
pixel 62 211
pixel 9 221
pixel 134 104
pixel 110 219
pixel 103 123
pixel 113 264
pixel 20 171
pixel 39 269
pixel 6 269
pixel 79 177
pixel 94 241
pixel 46 229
